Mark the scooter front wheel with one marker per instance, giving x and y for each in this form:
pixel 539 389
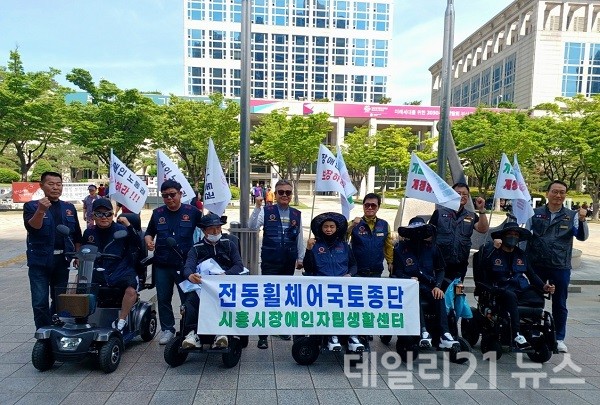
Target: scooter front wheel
pixel 42 356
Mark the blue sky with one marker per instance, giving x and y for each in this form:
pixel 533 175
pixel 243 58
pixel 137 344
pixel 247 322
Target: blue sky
pixel 139 43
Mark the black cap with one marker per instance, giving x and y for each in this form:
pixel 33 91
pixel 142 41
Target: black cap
pixel 102 203
pixel 211 220
pixel 524 234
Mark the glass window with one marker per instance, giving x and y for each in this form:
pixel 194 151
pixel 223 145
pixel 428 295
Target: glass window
pixel 341 14
pixel 360 52
pixel 379 53
pixel 235 45
pixel 300 13
pixel 259 11
pixel 235 82
pixel 196 80
pixel 320 14
pixel 381 18
pixel 497 77
pixel 485 86
pixel 279 12
pixel 573 81
pixel 340 51
pixel 217 45
pixel 378 86
pixel 474 91
pixel 361 15
pixel 216 10
pixel 509 70
pixel 574 53
pixel 195 43
pixel 195 10
pixel 235 11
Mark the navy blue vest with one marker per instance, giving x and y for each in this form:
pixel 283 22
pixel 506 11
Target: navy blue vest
pixel 454 230
pixel 552 243
pixel 504 272
pixel 182 231
pixel 368 245
pixel 331 261
pixel 408 262
pixel 40 242
pixel 280 245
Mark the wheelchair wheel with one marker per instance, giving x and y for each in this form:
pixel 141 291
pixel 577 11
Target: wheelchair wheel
pixel 541 354
pixel 404 345
pixel 469 330
pixel 464 347
pixel 231 358
pixel 491 344
pixel 148 326
pixel 305 351
pixel 109 355
pixel 42 356
pixel 385 339
pixel 173 356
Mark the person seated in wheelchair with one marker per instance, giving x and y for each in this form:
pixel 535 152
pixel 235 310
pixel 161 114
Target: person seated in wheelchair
pixel 417 257
pixel 118 273
pixel 328 254
pixel 507 271
pixel 223 251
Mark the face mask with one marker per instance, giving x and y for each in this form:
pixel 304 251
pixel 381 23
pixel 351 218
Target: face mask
pixel 213 238
pixel 510 241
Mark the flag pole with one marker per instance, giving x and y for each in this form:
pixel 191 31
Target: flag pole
pixel 158 182
pixel 312 212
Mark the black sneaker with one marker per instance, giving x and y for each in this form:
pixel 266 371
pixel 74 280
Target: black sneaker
pixel 521 342
pixel 262 344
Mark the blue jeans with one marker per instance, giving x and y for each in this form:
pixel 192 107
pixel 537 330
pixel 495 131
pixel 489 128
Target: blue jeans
pixel 560 278
pixel 165 278
pixel 44 280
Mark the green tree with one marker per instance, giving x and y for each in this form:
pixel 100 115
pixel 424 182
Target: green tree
pixel 186 126
pixel 32 111
pixel 121 120
pixel 41 166
pixel 359 154
pixel 393 146
pixel 8 176
pixel 71 158
pixel 290 144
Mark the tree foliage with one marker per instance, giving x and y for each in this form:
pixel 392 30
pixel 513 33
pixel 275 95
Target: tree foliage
pixel 289 144
pixel 359 154
pixel 31 112
pixel 186 126
pixel 121 120
pixel 393 146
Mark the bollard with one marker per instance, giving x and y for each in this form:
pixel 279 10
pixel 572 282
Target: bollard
pixel 248 245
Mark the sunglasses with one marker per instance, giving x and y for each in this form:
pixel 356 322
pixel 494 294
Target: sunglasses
pixel 370 205
pixel 106 214
pixel 284 192
pixel 169 195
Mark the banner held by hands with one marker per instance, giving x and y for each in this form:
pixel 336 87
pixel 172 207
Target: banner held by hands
pixel 217 194
pixel 424 184
pixel 125 187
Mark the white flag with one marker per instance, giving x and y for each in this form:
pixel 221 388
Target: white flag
pixel 125 187
pixel 349 189
pixel 328 175
pixel 506 184
pixel 424 184
pixel 521 208
pixel 168 170
pixel 216 189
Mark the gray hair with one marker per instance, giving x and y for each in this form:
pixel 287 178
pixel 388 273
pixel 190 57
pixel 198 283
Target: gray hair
pixel 283 182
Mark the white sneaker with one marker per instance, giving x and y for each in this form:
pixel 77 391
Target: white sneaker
pixel 447 341
pixel 561 346
pixel 521 342
pixel 220 342
pixel 425 341
pixel 191 341
pixel 119 325
pixel 354 344
pixel 333 344
pixel 165 336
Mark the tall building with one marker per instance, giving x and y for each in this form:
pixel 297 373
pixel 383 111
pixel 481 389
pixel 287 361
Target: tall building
pixel 529 53
pixel 301 49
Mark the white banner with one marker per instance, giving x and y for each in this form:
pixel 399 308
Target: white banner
pixel 521 208
pixel 276 305
pixel 217 194
pixel 125 187
pixel 349 189
pixel 168 170
pixel 507 185
pixel 328 176
pixel 424 184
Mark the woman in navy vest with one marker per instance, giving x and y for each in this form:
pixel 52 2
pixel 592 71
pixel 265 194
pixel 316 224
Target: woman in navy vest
pixel 328 254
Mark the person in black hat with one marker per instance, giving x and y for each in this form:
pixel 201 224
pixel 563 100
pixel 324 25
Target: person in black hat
pixel 328 254
pixel 223 251
pixel 507 270
pixel 119 273
pixel 418 257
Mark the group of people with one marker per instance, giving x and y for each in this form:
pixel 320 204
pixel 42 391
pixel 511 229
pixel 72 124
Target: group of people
pixel 433 253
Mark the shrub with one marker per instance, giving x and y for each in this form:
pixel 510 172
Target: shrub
pixel 8 175
pixel 40 167
pixel 235 192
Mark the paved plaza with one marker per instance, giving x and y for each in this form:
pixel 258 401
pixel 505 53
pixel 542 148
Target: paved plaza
pixel 272 377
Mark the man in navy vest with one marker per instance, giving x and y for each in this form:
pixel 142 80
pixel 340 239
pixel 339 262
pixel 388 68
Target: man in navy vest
pixel 454 230
pixel 48 265
pixel 283 243
pixel 553 227
pixel 172 220
pixel 371 239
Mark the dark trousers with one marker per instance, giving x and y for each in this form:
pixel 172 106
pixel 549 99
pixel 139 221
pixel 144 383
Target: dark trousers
pixel 192 306
pixel 286 267
pixel 510 299
pixel 560 278
pixel 426 300
pixel 456 270
pixel 44 280
pixel 166 277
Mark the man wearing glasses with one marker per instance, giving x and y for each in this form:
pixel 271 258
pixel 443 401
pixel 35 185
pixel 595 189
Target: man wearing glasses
pixel 550 249
pixel 172 220
pixel 454 230
pixel 119 273
pixel 282 249
pixel 48 265
pixel 371 239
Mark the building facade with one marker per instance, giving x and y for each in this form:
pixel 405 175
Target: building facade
pixel 335 50
pixel 530 53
